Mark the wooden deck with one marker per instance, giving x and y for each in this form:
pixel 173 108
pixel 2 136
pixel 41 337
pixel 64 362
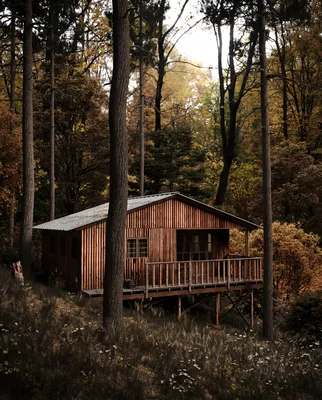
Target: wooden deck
pixel 179 278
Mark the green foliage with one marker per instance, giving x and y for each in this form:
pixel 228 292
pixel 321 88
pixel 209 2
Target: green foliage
pixel 174 163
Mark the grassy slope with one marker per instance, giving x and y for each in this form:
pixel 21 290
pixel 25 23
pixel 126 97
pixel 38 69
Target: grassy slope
pixel 51 347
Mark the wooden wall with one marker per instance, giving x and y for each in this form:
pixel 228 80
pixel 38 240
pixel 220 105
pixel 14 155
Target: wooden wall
pixel 173 213
pixel 161 247
pixel 93 256
pixel 158 223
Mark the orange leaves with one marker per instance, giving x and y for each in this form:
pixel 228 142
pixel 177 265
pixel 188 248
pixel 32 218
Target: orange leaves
pixel 10 158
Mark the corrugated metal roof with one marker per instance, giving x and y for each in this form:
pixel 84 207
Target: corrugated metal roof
pixel 95 214
pixel 99 213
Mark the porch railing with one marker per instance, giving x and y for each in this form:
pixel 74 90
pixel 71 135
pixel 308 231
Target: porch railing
pixel 185 274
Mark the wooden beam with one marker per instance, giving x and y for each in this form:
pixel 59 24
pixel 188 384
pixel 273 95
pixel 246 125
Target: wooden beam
pixel 217 308
pixel 235 306
pixel 179 307
pixel 247 242
pixel 205 299
pixel 146 280
pixel 203 290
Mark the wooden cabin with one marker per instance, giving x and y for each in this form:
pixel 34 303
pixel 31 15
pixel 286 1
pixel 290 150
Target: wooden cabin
pixel 174 244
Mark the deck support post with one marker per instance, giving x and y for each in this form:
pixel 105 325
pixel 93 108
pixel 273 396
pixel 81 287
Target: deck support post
pixel 138 305
pixel 146 280
pixel 252 309
pixel 247 243
pixel 179 307
pixel 217 308
pixel 190 275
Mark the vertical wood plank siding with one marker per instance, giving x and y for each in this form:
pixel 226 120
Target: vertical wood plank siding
pixel 173 213
pixel 93 256
pixel 159 223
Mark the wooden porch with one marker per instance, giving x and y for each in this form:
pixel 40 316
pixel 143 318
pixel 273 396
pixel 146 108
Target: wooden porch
pixel 179 278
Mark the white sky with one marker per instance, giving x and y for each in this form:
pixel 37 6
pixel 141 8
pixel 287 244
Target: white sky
pixel 199 44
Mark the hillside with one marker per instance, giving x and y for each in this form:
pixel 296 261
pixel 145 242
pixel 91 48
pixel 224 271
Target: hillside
pixel 52 346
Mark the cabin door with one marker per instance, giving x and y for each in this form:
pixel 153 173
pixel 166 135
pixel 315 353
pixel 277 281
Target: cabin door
pixel 194 245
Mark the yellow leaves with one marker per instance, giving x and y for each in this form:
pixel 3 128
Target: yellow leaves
pixel 297 256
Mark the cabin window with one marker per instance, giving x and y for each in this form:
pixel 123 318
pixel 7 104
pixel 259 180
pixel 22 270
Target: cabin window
pixel 53 244
pixel 137 248
pixel 194 246
pixel 75 247
pixel 63 246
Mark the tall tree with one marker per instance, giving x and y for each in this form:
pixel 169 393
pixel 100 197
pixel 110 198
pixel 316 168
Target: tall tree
pixel 12 111
pixel 52 111
pixel 285 16
pixel 28 150
pixel 81 137
pixel 165 49
pixel 115 228
pixel 233 80
pixel 267 196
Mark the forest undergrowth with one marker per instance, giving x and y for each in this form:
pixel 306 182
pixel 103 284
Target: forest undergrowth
pixel 53 346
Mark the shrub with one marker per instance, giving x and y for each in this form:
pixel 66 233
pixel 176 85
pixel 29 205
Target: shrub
pixel 305 316
pixel 296 254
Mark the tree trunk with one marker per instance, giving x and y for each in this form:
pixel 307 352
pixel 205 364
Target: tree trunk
pixel 158 96
pixel 52 114
pixel 229 136
pixel 223 181
pixel 28 151
pixel 161 67
pixel 13 113
pixel 141 104
pixel 115 228
pixel 267 197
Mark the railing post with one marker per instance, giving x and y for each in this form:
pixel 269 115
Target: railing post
pixel 146 280
pixel 190 274
pixel 228 273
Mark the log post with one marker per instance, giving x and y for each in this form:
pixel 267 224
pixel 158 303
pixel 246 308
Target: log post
pixel 179 307
pixel 146 280
pixel 217 308
pixel 247 243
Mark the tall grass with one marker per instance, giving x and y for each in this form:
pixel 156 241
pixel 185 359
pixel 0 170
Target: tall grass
pixel 52 346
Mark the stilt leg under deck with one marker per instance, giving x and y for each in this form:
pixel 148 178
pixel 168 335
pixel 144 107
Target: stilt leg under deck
pixel 252 309
pixel 179 307
pixel 217 308
pixel 138 305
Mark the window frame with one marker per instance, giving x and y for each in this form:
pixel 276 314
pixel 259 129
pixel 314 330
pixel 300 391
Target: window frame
pixel 137 248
